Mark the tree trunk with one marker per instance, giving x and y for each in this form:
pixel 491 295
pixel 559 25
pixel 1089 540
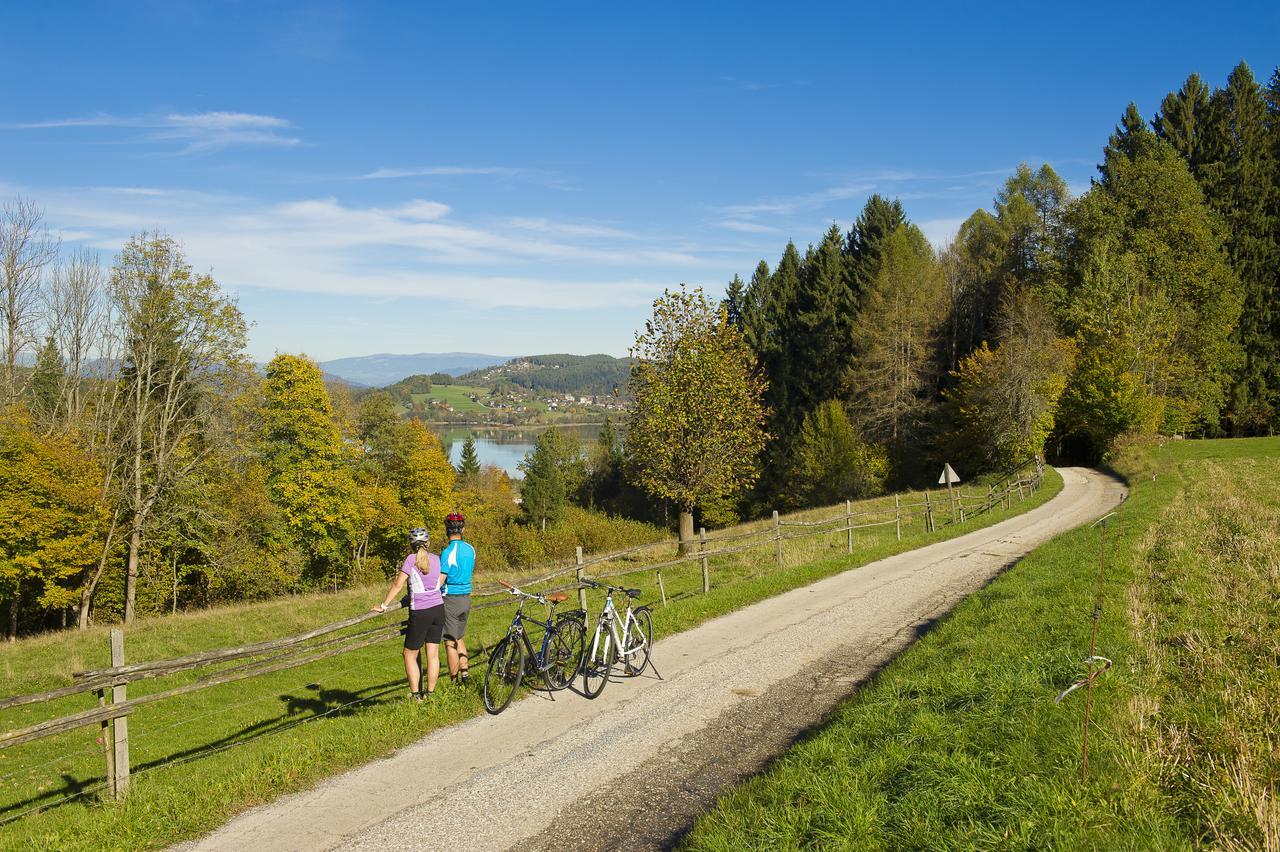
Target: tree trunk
pixel 86 594
pixel 131 571
pixel 12 634
pixel 686 532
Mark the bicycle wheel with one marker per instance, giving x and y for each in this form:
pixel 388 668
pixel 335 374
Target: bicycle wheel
pixel 598 662
pixel 502 679
pixel 639 643
pixel 564 653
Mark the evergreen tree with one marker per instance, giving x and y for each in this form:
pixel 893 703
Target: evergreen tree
pixel 879 218
pixel 832 462
pixel 543 494
pixel 735 301
pixel 1239 181
pixel 820 341
pixel 754 325
pixel 468 463
pixel 1183 120
pixel 46 385
pixel 1131 139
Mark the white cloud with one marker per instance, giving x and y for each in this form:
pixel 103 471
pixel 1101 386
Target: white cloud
pixel 437 171
pixel 201 131
pixel 749 227
pixel 417 248
pixel 796 203
pixel 939 232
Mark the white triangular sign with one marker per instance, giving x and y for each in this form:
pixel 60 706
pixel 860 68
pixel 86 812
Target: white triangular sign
pixel 948 476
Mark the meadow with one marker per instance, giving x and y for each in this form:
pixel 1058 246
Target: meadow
pixel 958 744
pixel 200 759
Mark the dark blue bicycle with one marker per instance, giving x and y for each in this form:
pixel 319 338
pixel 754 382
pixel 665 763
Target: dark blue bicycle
pixel 557 660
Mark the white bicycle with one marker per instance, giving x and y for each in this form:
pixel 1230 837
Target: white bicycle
pixel 627 635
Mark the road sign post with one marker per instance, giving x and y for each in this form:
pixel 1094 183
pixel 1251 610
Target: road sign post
pixel 949 476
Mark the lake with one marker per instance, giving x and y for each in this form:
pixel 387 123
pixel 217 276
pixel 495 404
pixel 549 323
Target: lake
pixel 505 448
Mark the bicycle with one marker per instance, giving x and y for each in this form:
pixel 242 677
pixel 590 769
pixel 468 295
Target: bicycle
pixel 632 632
pixel 558 659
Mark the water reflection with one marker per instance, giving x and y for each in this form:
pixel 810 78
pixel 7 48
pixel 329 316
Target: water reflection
pixel 505 448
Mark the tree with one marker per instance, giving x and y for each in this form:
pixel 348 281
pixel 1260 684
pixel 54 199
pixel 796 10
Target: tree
pixel 698 421
pixel 819 339
pixel 735 301
pixel 1132 139
pixel 879 218
pixel 1005 399
pixel 1239 178
pixel 45 388
pixel 896 334
pixel 51 517
pixel 1183 120
pixel 832 462
pixel 1150 286
pixel 79 320
pixel 543 493
pixel 307 475
pixel 183 347
pixel 26 249
pixel 468 463
pixel 427 490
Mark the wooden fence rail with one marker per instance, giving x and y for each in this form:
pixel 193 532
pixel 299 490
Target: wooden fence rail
pixel 292 651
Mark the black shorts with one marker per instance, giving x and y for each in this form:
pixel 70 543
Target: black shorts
pixel 425 625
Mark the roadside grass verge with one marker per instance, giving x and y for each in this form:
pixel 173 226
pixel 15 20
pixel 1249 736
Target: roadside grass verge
pixel 201 759
pixel 958 744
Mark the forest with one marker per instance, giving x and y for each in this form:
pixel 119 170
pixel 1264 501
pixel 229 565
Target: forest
pixel 147 466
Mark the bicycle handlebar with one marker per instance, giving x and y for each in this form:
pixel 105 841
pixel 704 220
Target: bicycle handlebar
pixel 521 593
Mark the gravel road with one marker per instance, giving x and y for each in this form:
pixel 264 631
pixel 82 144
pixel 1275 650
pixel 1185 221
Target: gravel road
pixel 633 768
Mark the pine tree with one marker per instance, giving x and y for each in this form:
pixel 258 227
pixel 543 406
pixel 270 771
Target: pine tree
pixel 1239 181
pixel 468 463
pixel 754 326
pixel 543 494
pixel 879 218
pixel 46 385
pixel 1131 139
pixel 1183 120
pixel 735 301
pixel 820 341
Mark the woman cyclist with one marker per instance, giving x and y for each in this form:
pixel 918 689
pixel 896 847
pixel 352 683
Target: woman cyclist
pixel 421 570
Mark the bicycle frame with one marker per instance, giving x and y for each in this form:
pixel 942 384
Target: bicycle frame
pixel 539 657
pixel 610 615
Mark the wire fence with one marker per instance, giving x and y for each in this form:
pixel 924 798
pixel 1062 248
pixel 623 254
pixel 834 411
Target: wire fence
pixel 332 640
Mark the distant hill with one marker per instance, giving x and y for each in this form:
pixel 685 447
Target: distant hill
pixel 385 369
pixel 580 375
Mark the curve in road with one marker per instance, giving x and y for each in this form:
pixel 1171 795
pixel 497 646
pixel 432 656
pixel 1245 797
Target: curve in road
pixel 633 768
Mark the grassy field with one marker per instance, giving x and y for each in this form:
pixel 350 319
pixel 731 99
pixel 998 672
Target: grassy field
pixel 958 743
pixel 200 759
pixel 458 396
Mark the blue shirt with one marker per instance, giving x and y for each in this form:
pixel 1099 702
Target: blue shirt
pixel 457 562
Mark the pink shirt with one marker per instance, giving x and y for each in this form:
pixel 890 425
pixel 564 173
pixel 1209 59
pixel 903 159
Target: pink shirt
pixel 423 593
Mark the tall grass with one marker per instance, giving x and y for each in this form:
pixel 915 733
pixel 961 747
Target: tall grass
pixel 958 743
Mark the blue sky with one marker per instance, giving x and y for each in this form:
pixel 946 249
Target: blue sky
pixel 523 178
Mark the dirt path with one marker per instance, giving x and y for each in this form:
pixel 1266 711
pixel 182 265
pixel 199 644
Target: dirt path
pixel 633 768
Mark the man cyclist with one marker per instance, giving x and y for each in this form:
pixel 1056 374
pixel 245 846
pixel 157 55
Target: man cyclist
pixel 457 564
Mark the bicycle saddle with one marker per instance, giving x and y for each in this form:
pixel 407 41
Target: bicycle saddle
pixel 558 597
pixel 632 593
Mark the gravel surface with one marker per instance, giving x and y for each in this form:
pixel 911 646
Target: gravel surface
pixel 635 767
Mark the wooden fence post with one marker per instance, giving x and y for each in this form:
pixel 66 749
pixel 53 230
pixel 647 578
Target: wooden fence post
pixel 990 489
pixel 108 747
pixel 662 590
pixel 928 512
pixel 702 548
pixel 897 515
pixel 582 592
pixel 1020 494
pixel 119 726
pixel 777 534
pixel 848 523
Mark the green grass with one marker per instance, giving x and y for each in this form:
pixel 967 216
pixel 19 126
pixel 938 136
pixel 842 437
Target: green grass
pixel 281 733
pixel 458 396
pixel 958 744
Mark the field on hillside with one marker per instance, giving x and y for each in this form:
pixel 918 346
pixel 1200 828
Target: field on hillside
pixel 200 759
pixel 457 396
pixel 959 744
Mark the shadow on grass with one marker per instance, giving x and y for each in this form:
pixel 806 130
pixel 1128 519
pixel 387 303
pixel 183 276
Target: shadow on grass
pixel 297 710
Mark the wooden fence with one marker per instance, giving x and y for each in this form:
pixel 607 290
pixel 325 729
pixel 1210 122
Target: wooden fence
pixel 111 684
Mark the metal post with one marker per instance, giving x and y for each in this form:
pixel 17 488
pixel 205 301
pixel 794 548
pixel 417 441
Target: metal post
pixel 702 548
pixel 120 726
pixel 582 591
pixel 951 495
pixel 897 515
pixel 848 523
pixel 777 534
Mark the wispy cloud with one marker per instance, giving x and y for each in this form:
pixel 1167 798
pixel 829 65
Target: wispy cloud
pixel 749 227
pixel 200 131
pixel 787 205
pixel 437 171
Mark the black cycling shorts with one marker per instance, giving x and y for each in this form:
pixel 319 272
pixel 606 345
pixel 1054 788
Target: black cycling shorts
pixel 425 625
